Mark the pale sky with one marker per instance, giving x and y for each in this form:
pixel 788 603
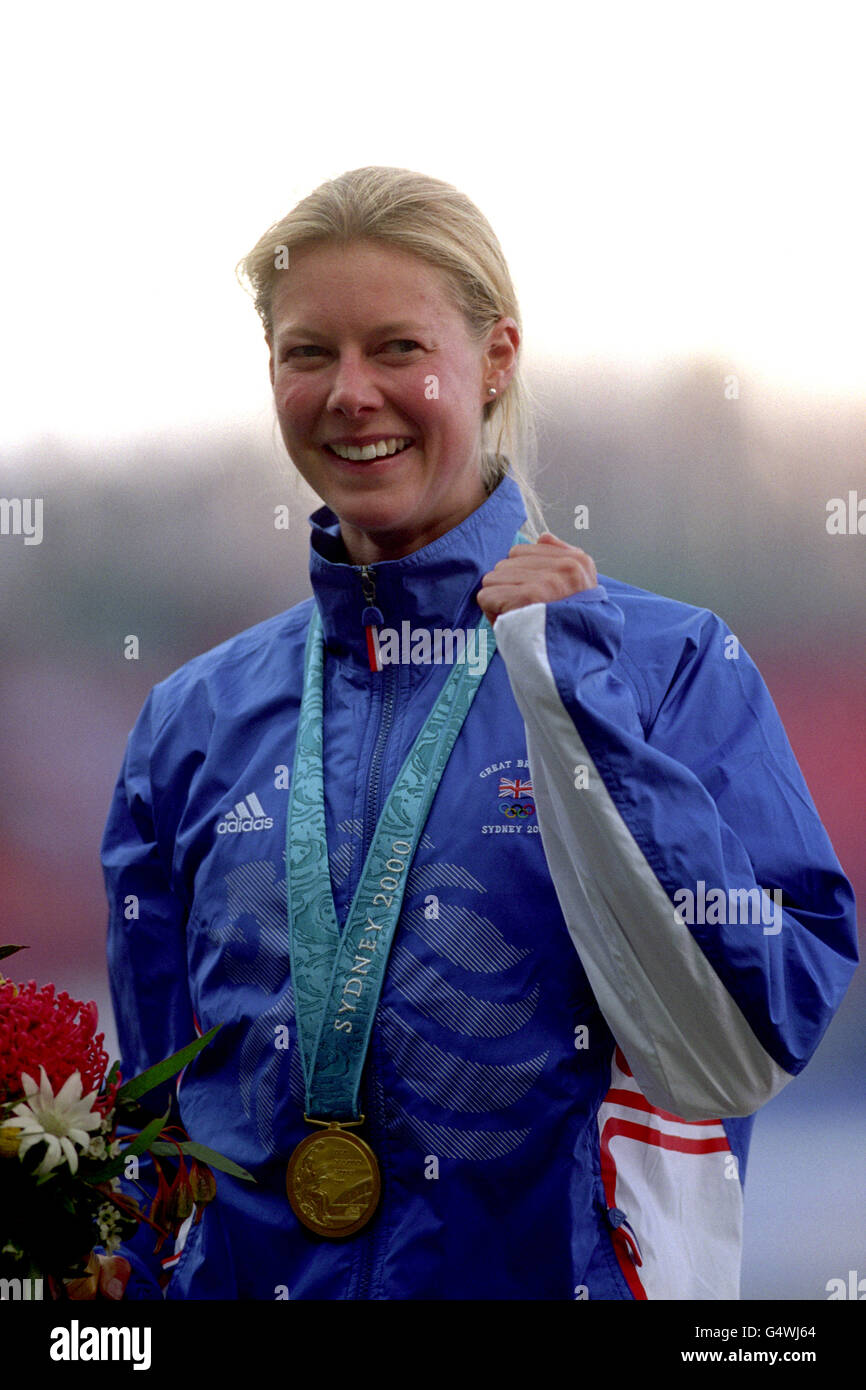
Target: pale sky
pixel 665 179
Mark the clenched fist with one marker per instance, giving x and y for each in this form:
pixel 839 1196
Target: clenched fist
pixel 106 1276
pixel 539 573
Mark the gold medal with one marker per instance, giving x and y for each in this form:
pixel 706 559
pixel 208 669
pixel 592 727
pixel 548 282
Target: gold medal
pixel 333 1182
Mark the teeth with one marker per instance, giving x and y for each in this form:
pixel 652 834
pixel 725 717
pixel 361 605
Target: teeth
pixel 383 449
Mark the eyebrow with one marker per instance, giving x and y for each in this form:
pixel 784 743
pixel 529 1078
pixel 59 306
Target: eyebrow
pixel 301 331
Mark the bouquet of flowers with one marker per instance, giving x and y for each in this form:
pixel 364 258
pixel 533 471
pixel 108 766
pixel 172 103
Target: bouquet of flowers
pixel 61 1156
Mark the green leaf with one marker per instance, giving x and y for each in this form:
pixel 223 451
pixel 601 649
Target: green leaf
pixel 154 1076
pixel 208 1156
pixel 138 1146
pixel 10 950
pixel 132 1115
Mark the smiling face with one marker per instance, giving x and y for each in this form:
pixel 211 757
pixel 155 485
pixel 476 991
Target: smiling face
pixel 367 349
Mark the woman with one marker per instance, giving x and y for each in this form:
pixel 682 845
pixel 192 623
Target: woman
pixel 526 920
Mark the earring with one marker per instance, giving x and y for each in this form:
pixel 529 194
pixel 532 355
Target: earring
pixel 491 390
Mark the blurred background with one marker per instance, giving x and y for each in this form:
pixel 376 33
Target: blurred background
pixel 678 191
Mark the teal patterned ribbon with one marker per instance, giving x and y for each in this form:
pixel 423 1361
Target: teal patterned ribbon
pixel 337 977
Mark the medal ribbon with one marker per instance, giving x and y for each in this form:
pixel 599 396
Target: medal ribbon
pixel 338 978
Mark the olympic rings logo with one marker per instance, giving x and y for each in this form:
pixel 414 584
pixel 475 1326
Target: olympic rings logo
pixel 517 810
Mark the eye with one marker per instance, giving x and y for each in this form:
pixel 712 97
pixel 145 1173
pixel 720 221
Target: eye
pixel 306 352
pixel 303 348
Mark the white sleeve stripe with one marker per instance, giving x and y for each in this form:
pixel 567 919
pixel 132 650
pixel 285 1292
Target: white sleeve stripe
pixel 650 1119
pixel 687 1042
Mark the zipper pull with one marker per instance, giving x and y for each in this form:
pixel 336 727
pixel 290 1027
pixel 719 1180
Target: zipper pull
pixel 371 616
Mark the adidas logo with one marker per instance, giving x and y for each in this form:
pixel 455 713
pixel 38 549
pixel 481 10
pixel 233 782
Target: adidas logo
pixel 247 815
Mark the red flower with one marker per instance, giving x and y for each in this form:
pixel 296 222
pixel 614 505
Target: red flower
pixel 39 1027
pixel 159 1217
pixel 203 1186
pixel 172 1204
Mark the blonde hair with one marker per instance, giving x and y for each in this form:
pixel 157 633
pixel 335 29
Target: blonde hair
pixel 440 225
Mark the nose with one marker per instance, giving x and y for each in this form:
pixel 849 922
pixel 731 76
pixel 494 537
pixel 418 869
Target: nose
pixel 354 387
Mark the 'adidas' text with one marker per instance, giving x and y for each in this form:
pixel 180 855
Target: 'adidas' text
pixel 247 815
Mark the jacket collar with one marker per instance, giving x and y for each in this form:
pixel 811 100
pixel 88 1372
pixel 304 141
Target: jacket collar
pixel 433 587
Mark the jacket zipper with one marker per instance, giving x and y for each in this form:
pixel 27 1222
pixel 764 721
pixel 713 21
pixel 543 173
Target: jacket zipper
pixel 372 619
pixel 375 1107
pixel 374 780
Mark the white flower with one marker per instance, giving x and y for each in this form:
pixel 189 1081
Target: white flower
pixel 110 1224
pixel 61 1121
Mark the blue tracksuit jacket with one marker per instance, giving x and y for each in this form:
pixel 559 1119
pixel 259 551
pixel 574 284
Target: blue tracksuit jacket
pixel 624 930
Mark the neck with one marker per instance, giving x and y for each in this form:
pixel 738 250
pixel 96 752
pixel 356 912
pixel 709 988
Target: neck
pixel 434 589
pixel 370 547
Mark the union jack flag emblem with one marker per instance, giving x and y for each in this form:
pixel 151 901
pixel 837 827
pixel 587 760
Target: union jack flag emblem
pixel 516 788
